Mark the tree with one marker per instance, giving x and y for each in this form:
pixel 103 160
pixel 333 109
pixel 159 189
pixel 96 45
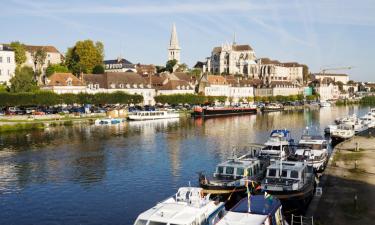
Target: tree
pixel 170 64
pixel 84 56
pixel 23 80
pixel 305 73
pixel 39 56
pixel 98 69
pixel 19 52
pixel 195 72
pixel 340 84
pixel 3 88
pixel 56 68
pixel 160 69
pixel 182 67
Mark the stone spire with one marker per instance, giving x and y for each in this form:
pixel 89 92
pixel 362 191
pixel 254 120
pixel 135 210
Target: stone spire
pixel 174 49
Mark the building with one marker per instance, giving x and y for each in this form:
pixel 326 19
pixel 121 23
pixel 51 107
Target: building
pixel 326 89
pixel 145 70
pixel 174 49
pixel 53 56
pixel 344 78
pixel 232 59
pixel 273 70
pixel 62 83
pixel 119 65
pixel 173 83
pixel 129 82
pixel 285 88
pixel 7 64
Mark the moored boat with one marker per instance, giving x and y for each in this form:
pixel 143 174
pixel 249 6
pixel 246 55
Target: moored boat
pixel 279 145
pixel 108 121
pixel 291 182
pixel 343 132
pixel 324 104
pixel 272 107
pixel 187 206
pixel 222 111
pixel 152 115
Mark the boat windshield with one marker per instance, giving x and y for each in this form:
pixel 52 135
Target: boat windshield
pixel 156 223
pixel 141 222
pixel 269 147
pixel 310 146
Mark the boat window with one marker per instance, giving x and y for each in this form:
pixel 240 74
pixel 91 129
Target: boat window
pixel 240 171
pixel 141 222
pixel 220 169
pixel 284 173
pixel 250 171
pixel 294 174
pixel 272 172
pixel 156 223
pixel 229 170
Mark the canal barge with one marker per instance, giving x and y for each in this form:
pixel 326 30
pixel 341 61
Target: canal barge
pixel 222 111
pixel 291 182
pixel 187 206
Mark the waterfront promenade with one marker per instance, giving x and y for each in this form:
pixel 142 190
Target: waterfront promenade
pixel 349 184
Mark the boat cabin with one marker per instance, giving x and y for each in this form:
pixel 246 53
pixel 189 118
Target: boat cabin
pixel 187 207
pixel 236 168
pixel 312 142
pixel 150 113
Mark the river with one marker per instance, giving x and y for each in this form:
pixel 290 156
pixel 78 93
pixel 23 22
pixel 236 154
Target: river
pixel 108 175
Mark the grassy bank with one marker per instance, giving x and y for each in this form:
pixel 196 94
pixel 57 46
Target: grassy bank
pixel 21 127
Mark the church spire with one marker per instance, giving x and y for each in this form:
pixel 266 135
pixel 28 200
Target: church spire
pixel 174 48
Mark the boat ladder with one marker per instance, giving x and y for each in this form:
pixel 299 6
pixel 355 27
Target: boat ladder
pixel 301 220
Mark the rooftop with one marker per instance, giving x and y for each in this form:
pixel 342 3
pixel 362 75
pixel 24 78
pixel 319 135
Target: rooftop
pixel 47 48
pixel 64 79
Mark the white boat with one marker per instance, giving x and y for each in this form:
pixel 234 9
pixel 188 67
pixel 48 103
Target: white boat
pixel 343 132
pixel 279 145
pixel 260 211
pixel 325 104
pixel 313 149
pixel 153 115
pixel 330 128
pixel 108 121
pixel 187 207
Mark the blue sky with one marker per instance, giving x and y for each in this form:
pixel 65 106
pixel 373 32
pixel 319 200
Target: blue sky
pixel 330 33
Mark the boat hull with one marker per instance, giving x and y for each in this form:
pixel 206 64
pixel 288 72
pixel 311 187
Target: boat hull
pixel 223 112
pixel 272 109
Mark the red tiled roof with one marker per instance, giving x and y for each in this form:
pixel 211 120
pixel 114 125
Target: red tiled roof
pixel 48 48
pixel 215 79
pixel 61 79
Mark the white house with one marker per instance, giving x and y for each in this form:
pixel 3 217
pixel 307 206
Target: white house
pixel 273 70
pixel 327 91
pixel 53 56
pixel 285 88
pixel 62 83
pixel 7 64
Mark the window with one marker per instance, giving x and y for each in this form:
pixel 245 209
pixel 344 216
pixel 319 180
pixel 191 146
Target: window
pixel 141 222
pixel 284 173
pixel 8 59
pixel 69 82
pixel 271 172
pixel 250 172
pixel 220 169
pixel 240 171
pixel 155 223
pixel 294 174
pixel 229 170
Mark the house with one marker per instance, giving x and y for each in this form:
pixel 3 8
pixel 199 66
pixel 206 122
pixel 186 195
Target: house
pixel 173 83
pixel 344 78
pixel 273 70
pixel 119 65
pixel 128 82
pixel 53 56
pixel 145 70
pixel 62 83
pixel 326 89
pixel 7 64
pixel 285 88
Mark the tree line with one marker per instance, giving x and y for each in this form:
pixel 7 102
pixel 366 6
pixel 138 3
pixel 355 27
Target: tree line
pixel 47 98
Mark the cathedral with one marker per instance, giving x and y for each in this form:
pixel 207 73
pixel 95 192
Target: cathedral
pixel 174 49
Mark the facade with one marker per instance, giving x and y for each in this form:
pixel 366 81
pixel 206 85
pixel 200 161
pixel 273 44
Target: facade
pixel 119 65
pixel 62 83
pixel 173 83
pixel 7 64
pixel 53 56
pixel 344 78
pixel 174 49
pixel 145 70
pixel 128 82
pixel 285 88
pixel 273 70
pixel 232 59
pixel 327 91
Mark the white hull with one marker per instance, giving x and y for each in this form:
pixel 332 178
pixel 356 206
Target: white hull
pixel 154 115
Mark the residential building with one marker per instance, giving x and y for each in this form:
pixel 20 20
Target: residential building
pixel 174 49
pixel 145 70
pixel 273 70
pixel 53 56
pixel 62 83
pixel 119 65
pixel 173 83
pixel 285 88
pixel 128 82
pixel 344 78
pixel 326 89
pixel 232 59
pixel 7 64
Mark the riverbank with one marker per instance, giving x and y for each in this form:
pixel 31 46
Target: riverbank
pixel 349 184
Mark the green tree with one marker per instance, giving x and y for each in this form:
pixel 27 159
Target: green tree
pixel 98 69
pixel 3 88
pixel 56 68
pixel 340 84
pixel 170 64
pixel 305 73
pixel 84 56
pixel 39 57
pixel 23 80
pixel 182 67
pixel 19 52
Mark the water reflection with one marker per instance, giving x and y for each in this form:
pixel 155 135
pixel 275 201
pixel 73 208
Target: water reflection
pixel 118 171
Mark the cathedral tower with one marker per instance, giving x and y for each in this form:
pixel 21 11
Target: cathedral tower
pixel 174 49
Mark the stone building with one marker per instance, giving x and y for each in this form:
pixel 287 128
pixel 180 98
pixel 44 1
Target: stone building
pixel 273 70
pixel 344 78
pixel 53 56
pixel 174 49
pixel 7 64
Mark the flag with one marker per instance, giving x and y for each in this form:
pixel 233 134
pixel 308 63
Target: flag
pixel 268 197
pixel 248 199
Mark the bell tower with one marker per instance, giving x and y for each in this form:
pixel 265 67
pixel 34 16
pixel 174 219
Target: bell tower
pixel 174 49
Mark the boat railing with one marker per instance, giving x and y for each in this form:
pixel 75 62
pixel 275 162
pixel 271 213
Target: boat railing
pixel 285 184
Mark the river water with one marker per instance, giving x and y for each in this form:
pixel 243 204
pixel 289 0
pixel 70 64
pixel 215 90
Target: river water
pixel 108 175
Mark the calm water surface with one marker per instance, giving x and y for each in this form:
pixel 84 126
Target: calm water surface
pixel 108 175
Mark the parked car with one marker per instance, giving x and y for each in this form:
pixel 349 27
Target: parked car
pixel 30 110
pixel 38 113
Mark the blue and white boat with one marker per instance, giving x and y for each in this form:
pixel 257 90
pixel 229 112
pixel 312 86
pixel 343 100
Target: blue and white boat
pixel 280 145
pixel 109 121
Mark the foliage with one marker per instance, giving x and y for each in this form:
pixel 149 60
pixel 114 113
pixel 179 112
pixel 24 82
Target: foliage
pixel 19 52
pixel 170 64
pixel 56 68
pixel 47 98
pixel 340 84
pixel 368 100
pixel 305 73
pixel 23 80
pixel 39 56
pixel 160 69
pixel 195 72
pixel 182 67
pixel 84 56
pixel 98 69
pixel 3 88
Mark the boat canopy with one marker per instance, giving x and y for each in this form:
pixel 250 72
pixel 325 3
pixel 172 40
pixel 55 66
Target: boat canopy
pixel 278 133
pixel 258 205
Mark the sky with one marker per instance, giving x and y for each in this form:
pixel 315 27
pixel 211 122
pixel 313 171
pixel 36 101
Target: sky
pixel 319 33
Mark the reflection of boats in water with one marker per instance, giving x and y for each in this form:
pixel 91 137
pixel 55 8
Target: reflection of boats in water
pixel 222 111
pixel 109 121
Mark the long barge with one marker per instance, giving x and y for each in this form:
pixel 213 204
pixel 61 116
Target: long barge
pixel 222 111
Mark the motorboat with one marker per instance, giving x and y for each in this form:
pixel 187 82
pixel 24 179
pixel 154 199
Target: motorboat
pixel 343 132
pixel 152 115
pixel 314 150
pixel 272 107
pixel 279 145
pixel 256 210
pixel 325 104
pixel 188 206
pixel 109 121
pixel 292 182
pixel 330 128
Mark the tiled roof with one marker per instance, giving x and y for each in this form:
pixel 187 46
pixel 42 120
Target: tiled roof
pixel 234 47
pixel 47 48
pixel 145 69
pixel 183 76
pixel 176 85
pixel 281 83
pixel 269 61
pixel 100 79
pixel 116 80
pixel 215 79
pixel 63 79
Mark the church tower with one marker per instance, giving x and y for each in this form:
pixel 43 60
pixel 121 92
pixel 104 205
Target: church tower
pixel 174 49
